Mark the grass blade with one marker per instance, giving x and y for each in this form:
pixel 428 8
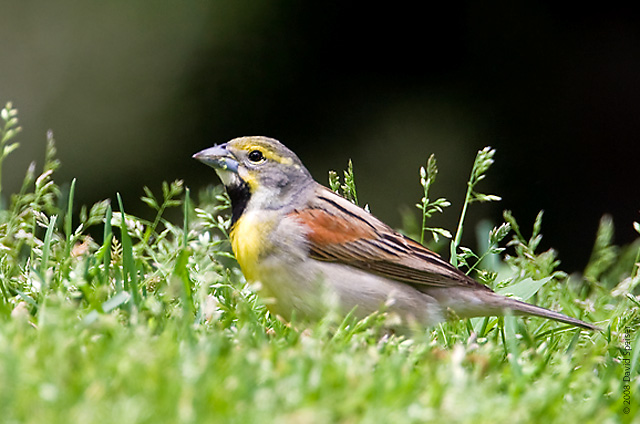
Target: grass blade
pixel 512 346
pixel 46 246
pixel 185 224
pixel 129 271
pixel 68 219
pixel 106 244
pixel 180 269
pixel 116 301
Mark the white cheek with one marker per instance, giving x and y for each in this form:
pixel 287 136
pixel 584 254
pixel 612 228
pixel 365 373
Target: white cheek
pixel 228 178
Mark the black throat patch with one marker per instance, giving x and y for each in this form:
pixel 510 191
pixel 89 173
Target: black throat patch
pixel 239 195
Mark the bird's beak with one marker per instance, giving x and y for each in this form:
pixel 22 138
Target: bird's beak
pixel 223 161
pixel 219 158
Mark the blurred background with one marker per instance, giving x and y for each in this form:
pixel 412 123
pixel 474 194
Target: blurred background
pixel 132 89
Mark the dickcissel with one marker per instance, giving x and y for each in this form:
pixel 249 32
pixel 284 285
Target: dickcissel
pixel 307 246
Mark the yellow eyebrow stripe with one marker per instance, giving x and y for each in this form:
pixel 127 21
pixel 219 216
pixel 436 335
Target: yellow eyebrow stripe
pixel 269 154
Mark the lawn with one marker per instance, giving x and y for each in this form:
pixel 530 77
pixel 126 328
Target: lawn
pixel 106 317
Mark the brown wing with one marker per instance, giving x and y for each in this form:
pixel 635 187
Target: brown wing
pixel 339 231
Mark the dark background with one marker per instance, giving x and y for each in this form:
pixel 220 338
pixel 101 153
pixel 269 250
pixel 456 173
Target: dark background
pixel 132 89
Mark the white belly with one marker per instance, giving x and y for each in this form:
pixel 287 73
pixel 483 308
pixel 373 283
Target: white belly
pixel 335 287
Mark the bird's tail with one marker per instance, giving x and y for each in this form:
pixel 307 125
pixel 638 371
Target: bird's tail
pixel 523 308
pixel 465 303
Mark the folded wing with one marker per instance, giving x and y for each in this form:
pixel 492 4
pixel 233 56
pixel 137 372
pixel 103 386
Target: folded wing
pixel 339 231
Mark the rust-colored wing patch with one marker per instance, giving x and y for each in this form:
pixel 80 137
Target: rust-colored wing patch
pixel 328 229
pixel 339 231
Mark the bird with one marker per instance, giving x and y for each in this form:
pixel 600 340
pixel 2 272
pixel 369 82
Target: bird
pixel 310 250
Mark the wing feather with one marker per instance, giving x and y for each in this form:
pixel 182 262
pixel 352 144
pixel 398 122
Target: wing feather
pixel 339 231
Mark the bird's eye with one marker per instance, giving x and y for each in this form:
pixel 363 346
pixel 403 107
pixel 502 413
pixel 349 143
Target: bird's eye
pixel 256 156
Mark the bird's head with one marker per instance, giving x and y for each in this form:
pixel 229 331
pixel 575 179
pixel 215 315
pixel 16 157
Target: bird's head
pixel 259 171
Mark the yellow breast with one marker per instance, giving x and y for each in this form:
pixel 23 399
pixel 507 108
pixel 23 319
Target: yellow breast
pixel 249 241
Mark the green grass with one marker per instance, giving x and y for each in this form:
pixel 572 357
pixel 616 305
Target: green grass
pixel 154 323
